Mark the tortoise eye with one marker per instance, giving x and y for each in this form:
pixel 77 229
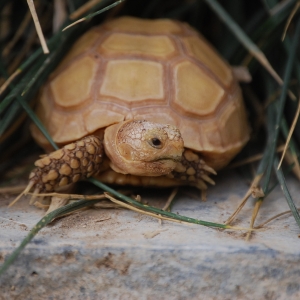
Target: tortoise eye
pixel 156 143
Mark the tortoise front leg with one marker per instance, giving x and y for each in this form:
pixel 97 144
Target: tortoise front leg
pixel 75 161
pixel 194 171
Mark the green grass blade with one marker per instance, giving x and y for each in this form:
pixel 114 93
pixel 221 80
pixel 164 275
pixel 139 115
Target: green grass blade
pixel 36 120
pixel 103 9
pixel 15 91
pixel 11 113
pixel 261 33
pixel 46 63
pixel 274 130
pixel 32 58
pixel 243 38
pixel 8 117
pixel 153 209
pixel 286 192
pixel 292 144
pixel 287 45
pixel 94 14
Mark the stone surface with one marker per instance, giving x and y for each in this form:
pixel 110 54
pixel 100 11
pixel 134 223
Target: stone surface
pixel 120 254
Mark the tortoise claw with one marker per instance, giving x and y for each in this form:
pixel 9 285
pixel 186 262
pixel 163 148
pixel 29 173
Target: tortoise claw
pixel 209 169
pixel 207 179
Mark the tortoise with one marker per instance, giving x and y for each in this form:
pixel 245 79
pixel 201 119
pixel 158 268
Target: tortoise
pixel 139 102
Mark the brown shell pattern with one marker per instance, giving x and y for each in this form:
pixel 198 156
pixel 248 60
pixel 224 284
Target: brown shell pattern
pixel 159 70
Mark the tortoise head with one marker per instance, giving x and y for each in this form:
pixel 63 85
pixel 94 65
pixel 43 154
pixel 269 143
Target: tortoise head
pixel 143 148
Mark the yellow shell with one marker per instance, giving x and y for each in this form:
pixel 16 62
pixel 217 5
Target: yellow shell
pixel 159 70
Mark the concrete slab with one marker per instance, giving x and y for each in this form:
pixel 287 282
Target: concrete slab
pixel 120 254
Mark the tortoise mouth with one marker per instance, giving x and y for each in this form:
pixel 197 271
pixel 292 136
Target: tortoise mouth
pixel 176 158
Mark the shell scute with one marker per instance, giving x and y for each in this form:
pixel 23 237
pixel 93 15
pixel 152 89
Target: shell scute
pixel 72 128
pixel 126 44
pixel 98 116
pixel 83 44
pixel 211 136
pixel 133 80
pixel 78 78
pixel 233 114
pixel 195 92
pixel 199 49
pixel 135 25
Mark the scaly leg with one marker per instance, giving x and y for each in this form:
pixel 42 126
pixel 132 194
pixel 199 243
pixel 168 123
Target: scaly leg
pixel 74 161
pixel 194 171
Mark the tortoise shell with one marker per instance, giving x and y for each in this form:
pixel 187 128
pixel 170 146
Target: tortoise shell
pixel 158 70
